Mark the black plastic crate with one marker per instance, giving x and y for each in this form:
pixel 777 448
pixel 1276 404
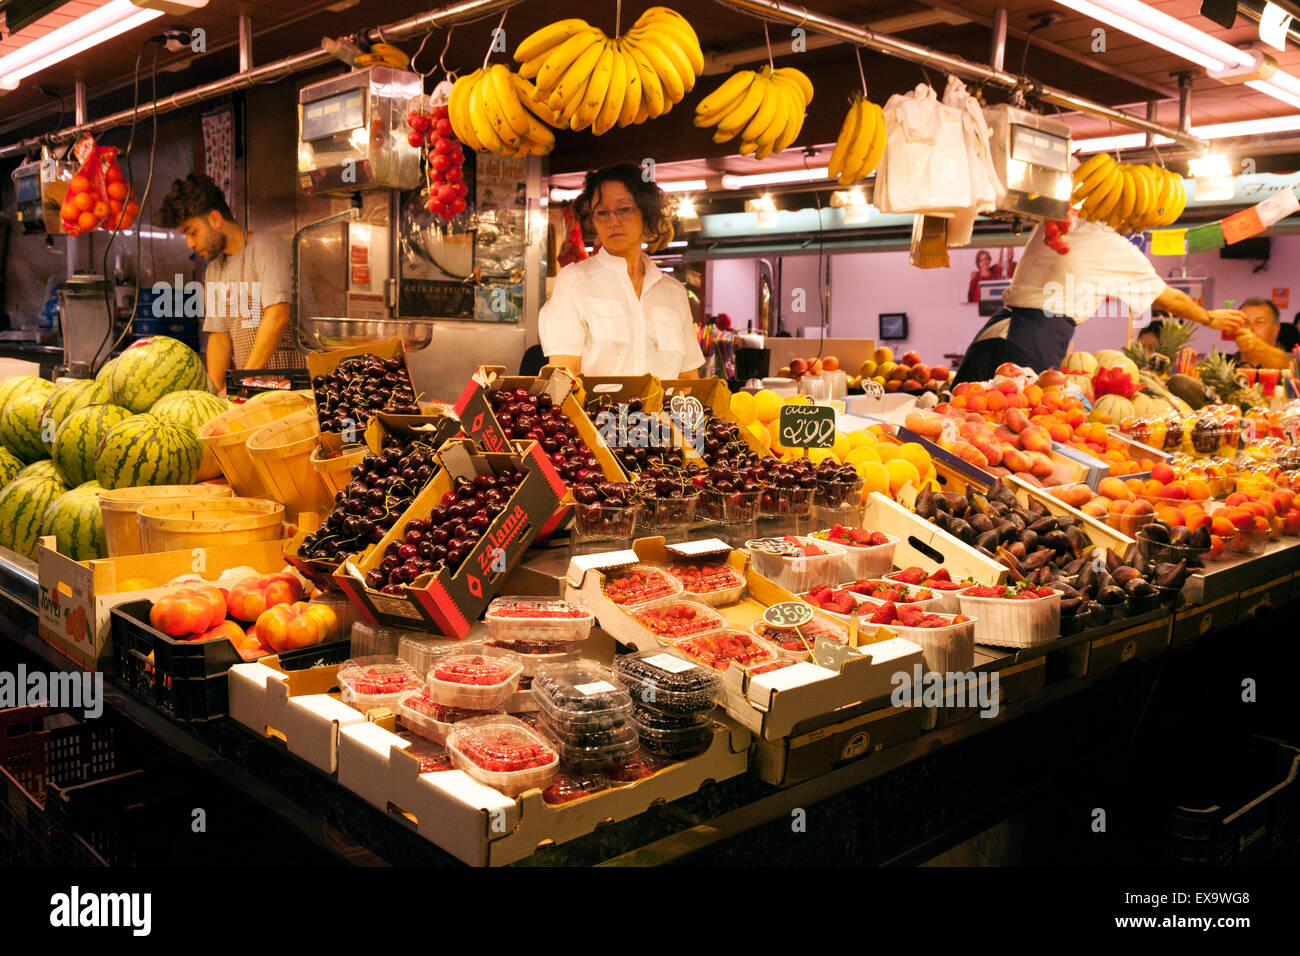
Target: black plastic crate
pixel 247 382
pixel 187 679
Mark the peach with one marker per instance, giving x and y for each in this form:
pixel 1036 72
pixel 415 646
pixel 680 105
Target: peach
pixel 1036 438
pixel 1170 516
pixel 1059 431
pixel 1162 473
pixel 1199 520
pixel 1015 419
pixel 1042 465
pixel 1017 400
pixel 997 401
pixel 1198 490
pixel 1220 525
pixel 1033 394
pixel 1097 508
pixel 1015 459
pixel 1115 489
pixel 1241 518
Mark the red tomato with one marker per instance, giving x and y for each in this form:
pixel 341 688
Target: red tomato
pixel 415 138
pixel 443 126
pixel 457 205
pixel 454 174
pixel 440 112
pixel 460 189
pixel 446 193
pixel 434 205
pixel 113 174
pixel 444 146
pixel 417 121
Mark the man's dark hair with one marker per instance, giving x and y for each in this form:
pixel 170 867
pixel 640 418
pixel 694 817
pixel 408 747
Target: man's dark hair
pixel 1155 328
pixel 195 195
pixel 649 198
pixel 1272 307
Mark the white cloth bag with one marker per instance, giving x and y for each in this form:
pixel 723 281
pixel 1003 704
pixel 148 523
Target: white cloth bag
pixel 926 167
pixel 987 190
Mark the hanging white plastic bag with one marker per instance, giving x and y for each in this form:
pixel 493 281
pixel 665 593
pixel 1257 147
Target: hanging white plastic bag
pixel 926 169
pixel 987 190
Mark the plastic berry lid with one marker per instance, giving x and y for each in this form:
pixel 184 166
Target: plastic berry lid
pixel 371 680
pixel 579 688
pixel 502 752
pixel 615 747
pixel 675 619
pixel 538 619
pixel 668 681
pixel 477 678
pixel 638 585
pixel 706 578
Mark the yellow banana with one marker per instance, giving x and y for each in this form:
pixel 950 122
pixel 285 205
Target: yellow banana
pixel 1111 184
pixel 1091 164
pixel 847 131
pixel 1177 204
pixel 559 60
pixel 653 99
pixel 566 96
pixel 1098 169
pixel 458 111
pixel 780 122
pixel 482 125
pixel 507 98
pixel 1107 204
pixel 762 118
pixel 690 41
pixel 527 96
pixel 735 119
pixel 1142 191
pixel 805 84
pixel 795 124
pixel 674 54
pixel 538 132
pixel 747 147
pixel 674 85
pixel 549 37
pixel 861 144
pixel 686 45
pixel 1164 189
pixel 593 99
pixel 1127 197
pixel 495 114
pixel 642 114
pixel 877 150
pixel 725 98
pixel 632 99
pixel 611 107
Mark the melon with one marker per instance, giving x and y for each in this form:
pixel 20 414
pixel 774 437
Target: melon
pixel 9 466
pixel 1084 362
pixel 1116 406
pixel 148 450
pixel 78 439
pixel 66 399
pixel 193 409
pixel 20 426
pixel 105 370
pixel 1145 405
pixel 152 368
pixel 75 520
pixel 22 509
pixel 21 384
pixel 44 470
pixel 1110 358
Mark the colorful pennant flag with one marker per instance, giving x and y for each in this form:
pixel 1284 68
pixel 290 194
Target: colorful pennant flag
pixel 1241 225
pixel 1168 242
pixel 1204 238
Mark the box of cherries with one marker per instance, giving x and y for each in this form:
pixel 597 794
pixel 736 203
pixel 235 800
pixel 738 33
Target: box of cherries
pixel 446 557
pixel 351 385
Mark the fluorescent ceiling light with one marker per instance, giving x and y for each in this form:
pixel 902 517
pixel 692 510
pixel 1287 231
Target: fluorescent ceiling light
pixel 1275 91
pixel 564 195
pixel 1260 127
pixel 110 20
pixel 773 179
pixel 1160 30
pixel 676 244
pixel 1274 23
pixel 684 185
pixel 1212 165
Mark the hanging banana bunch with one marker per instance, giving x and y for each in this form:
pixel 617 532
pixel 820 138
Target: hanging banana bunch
pixel 765 108
pixel 497 111
pixel 659 241
pixel 1128 197
pixel 860 144
pixel 590 80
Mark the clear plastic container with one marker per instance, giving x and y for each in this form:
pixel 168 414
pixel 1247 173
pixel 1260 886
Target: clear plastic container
pixel 475 680
pixel 783 502
pixel 534 655
pixel 729 506
pixel 675 619
pixel 421 651
pixel 1010 622
pixel 913 595
pixel 615 746
pixel 503 753
pixel 659 514
pixel 1156 551
pixel 581 697
pixel 945 593
pixel 537 619
pixel 639 585
pixel 606 520
pixel 667 681
pixel 1248 541
pixel 716 585
pixel 944 649
pixel 674 742
pixel 791 645
pixel 566 787
pixel 433 757
pixel 377 681
pixel 342 607
pixel 865 561
pixel 430 719
pixel 720 650
pixel 833 494
pixel 798 572
pixel 370 640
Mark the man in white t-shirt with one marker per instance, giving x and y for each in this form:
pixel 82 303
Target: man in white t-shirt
pixel 1053 292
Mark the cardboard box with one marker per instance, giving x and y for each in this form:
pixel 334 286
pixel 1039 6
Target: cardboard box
pixel 714 395
pixel 296 707
pixel 619 389
pixel 449 603
pixel 482 827
pixel 322 363
pixel 76 596
pixel 1102 534
pixel 926 545
pixel 1102 654
pixel 1274 594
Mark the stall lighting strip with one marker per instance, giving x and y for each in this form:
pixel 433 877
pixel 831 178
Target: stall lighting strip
pixel 1261 127
pixel 112 19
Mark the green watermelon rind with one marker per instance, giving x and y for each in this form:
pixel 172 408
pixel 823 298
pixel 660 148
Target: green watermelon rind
pixel 152 368
pixel 10 466
pixel 193 409
pixel 147 450
pixel 22 510
pixel 65 400
pixel 20 426
pixel 77 523
pixel 78 438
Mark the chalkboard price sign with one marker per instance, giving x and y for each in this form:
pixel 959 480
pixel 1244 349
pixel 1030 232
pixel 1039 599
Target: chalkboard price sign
pixel 807 426
pixel 788 614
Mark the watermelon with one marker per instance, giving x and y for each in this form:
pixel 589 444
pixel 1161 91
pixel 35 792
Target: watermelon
pixel 193 409
pixel 9 466
pixel 22 508
pixel 20 426
pixel 21 384
pixel 65 400
pixel 105 370
pixel 43 470
pixel 147 450
pixel 78 439
pixel 75 520
pixel 152 368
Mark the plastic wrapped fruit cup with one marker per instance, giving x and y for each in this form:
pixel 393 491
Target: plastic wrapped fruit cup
pixel 731 507
pixel 1155 551
pixel 638 585
pixel 675 619
pixel 474 681
pixel 722 649
pixel 538 619
pixel 781 502
pixel 1248 541
pixel 944 649
pixel 834 494
pixel 716 585
pixel 658 514
pixel 503 753
pixel 912 594
pixel 800 573
pixel 668 681
pixel 792 645
pixel 367 683
pixel 606 520
pixel 1014 622
pixel 432 720
pixel 866 561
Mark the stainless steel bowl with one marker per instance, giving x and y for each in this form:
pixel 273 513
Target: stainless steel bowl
pixel 338 333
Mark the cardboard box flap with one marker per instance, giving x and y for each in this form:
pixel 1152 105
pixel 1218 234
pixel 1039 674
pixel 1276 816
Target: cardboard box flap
pixel 603 561
pixel 690 549
pixel 322 363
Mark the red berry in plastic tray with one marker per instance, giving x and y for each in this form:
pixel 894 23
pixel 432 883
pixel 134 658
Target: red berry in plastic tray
pixel 765 668
pixel 677 620
pixel 505 750
pixel 841 601
pixel 643 764
pixel 472 669
pixel 704 578
pixel 366 678
pixel 897 593
pixel 786 638
pixel 528 646
pixel 433 759
pixel 558 610
pixel 637 586
pixel 423 704
pixel 570 786
pixel 720 651
pixel 1010 593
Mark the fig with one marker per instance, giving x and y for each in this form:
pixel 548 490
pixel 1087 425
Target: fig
pixel 1111 595
pixel 1180 536
pixel 1044 525
pixel 981 523
pixel 988 540
pixel 1200 538
pixel 1029 539
pixel 1157 531
pixel 1070 605
pixel 1125 573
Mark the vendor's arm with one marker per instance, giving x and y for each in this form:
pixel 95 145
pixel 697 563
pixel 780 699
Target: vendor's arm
pixel 218 358
pixel 275 319
pixel 1184 306
pixel 1255 351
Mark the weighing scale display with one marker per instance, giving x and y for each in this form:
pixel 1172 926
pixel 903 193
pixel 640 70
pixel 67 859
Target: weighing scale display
pixel 1037 148
pixel 334 115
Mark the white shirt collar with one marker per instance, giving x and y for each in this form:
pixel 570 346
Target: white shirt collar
pixel 608 260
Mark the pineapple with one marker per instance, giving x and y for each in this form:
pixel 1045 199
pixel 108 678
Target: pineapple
pixel 1170 340
pixel 1219 373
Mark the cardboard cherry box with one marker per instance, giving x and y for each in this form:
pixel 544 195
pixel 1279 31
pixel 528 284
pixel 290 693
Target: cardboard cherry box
pixel 322 363
pixel 714 395
pixel 450 602
pixel 770 705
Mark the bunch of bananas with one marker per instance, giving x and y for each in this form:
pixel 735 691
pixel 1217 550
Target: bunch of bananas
pixel 383 54
pixel 497 111
pixel 860 144
pixel 765 108
pixel 1128 197
pixel 591 80
pixel 659 241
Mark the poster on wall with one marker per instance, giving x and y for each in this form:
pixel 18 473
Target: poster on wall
pixel 436 256
pixel 501 239
pixel 219 150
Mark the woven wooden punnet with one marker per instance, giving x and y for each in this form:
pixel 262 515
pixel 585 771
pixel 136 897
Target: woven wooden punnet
pixel 119 507
pixel 336 472
pixel 281 452
pixel 190 523
pixel 227 436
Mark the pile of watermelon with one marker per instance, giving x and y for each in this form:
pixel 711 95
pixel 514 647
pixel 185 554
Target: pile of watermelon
pixel 134 424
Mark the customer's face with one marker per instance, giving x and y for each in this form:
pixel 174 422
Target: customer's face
pixel 1260 321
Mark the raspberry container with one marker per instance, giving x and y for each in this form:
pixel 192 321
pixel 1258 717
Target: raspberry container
pixel 799 573
pixel 668 682
pixel 503 753
pixel 581 698
pixel 946 601
pixel 370 640
pixel 722 584
pixel 1005 622
pixel 430 719
pixel 869 561
pixel 367 683
pixel 433 758
pixel 535 655
pixel 674 740
pixel 568 786
pixel 616 747
pixel 638 585
pixel 474 680
pixel 420 651
pixel 720 650
pixel 944 649
pixel 537 619
pixel 911 593
pixel 675 620
pixel 789 645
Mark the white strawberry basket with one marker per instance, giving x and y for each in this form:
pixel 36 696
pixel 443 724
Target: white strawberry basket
pixel 944 649
pixel 946 602
pixel 866 561
pixel 797 573
pixel 1004 622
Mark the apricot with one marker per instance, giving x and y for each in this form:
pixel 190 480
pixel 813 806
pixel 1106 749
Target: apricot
pixel 1097 508
pixel 1114 488
pixel 1220 525
pixel 1170 516
pixel 1033 394
pixel 1138 508
pixel 1176 490
pixel 1162 473
pixel 1198 490
pixel 1198 520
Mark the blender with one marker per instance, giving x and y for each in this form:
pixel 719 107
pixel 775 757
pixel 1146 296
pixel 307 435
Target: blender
pixel 86 317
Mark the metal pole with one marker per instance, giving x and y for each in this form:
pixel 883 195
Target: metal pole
pixel 1153 114
pixel 1185 102
pixel 893 46
pixel 998 54
pixel 245 44
pixel 79 102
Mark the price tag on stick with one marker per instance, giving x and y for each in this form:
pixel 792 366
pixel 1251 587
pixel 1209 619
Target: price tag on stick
pixel 807 426
pixel 788 614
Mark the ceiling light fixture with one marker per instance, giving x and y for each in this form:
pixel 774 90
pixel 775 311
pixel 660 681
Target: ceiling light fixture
pixel 685 186
pixel 730 181
pixel 1274 23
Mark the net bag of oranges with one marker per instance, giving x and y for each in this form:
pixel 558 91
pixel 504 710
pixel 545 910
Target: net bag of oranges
pixel 98 197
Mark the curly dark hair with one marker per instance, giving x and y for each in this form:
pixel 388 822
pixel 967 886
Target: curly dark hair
pixel 195 195
pixel 650 199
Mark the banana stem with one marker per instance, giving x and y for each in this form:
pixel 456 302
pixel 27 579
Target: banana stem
pixel 618 17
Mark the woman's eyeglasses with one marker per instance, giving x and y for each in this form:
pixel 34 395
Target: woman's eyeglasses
pixel 622 213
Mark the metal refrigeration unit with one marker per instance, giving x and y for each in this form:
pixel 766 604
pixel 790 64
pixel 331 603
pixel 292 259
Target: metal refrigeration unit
pixel 384 267
pixel 1031 154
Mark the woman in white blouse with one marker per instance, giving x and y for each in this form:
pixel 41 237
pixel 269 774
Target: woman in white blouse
pixel 615 313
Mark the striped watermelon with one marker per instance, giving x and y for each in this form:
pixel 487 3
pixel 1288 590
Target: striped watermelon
pixel 44 470
pixel 20 426
pixel 105 370
pixel 194 409
pixel 65 400
pixel 152 368
pixel 78 439
pixel 9 466
pixel 75 520
pixel 22 508
pixel 147 450
pixel 21 384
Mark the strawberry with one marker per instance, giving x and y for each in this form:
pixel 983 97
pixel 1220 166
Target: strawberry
pixel 835 540
pixel 885 614
pixel 933 620
pixel 940 575
pixel 960 619
pixel 910 617
pixel 844 602
pixel 911 576
pixel 860 536
pixel 878 538
pixel 811 550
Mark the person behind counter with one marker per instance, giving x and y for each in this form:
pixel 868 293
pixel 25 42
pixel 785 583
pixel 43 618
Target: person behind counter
pixel 616 313
pixel 1051 294
pixel 1257 339
pixel 247 283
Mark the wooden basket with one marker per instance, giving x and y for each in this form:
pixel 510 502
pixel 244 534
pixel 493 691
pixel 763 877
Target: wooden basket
pixel 119 507
pixel 336 472
pixel 281 452
pixel 188 524
pixel 227 437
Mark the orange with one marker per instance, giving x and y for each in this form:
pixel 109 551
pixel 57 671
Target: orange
pixel 902 472
pixel 863 454
pixel 773 429
pixel 875 477
pixel 84 201
pixel 1151 487
pixel 87 221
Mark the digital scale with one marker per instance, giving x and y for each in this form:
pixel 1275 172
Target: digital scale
pixel 1031 155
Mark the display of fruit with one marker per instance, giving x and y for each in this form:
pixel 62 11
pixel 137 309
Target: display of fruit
pixel 250 597
pixel 9 466
pixel 443 157
pixel 719 651
pixel 357 388
pixel 500 745
pixel 1023 591
pixel 23 503
pixel 20 426
pixel 675 620
pixel 288 627
pixel 1125 196
pixel 602 506
pixel 853 537
pixel 75 520
pixel 940 580
pixel 528 417
pixel 639 585
pixel 422 703
pixel 151 368
pixel 590 80
pixel 706 578
pixel 802 638
pixel 860 144
pixel 910 615
pixel 836 600
pixel 66 399
pixel 910 373
pixel 193 409
pixel 188 611
pixel 496 111
pixel 445 539
pixel 378 675
pixel 765 108
pixel 383 486
pixel 147 450
pixel 891 591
